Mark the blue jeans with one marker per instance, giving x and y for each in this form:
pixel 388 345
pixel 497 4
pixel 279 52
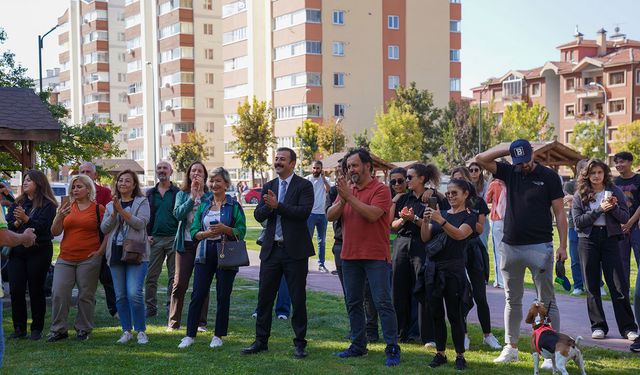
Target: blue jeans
pixel 377 273
pixel 283 302
pixel 576 270
pixel 630 241
pixel 319 221
pixel 128 281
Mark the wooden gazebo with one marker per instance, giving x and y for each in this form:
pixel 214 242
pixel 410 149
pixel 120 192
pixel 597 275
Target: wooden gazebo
pixel 553 154
pixel 24 120
pixel 331 162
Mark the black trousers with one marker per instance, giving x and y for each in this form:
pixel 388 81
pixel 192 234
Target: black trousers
pixel 295 273
pixel 452 298
pixel 475 266
pixel 406 268
pixel 600 254
pixel 107 284
pixel 29 267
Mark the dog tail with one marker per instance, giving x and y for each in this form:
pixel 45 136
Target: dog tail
pixel 578 340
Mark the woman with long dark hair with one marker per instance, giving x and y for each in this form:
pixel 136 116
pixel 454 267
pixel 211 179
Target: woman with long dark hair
pixel 445 277
pixel 480 183
pixel 34 208
pixel 599 209
pixel 193 192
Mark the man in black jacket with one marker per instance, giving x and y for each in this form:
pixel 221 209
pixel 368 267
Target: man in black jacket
pixel 286 204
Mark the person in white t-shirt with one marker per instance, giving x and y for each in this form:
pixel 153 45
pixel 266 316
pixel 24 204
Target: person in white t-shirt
pixel 318 218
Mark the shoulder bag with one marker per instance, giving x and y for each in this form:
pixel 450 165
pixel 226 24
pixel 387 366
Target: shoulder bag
pixel 436 244
pixel 232 253
pixel 133 249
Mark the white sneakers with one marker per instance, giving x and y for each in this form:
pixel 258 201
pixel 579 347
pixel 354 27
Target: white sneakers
pixel 215 342
pixel 142 338
pixel 467 342
pixel 577 292
pixel 185 342
pixel 508 354
pixel 632 336
pixel 547 364
pixel 125 338
pixel 597 334
pixel 602 291
pixel 283 317
pixel 430 345
pixel 202 328
pixel 492 342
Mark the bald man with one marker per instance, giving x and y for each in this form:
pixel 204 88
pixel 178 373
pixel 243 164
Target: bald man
pixel 162 230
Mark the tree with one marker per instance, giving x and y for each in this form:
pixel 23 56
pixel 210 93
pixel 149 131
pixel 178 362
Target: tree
pixel 362 139
pixel 588 140
pixel 11 74
pixel 523 121
pixel 460 135
pixel 307 139
pixel 627 138
pixel 254 135
pixel 420 103
pixel 395 137
pixel 183 154
pixel 328 133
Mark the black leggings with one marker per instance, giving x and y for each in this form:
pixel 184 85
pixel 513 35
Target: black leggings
pixel 476 272
pixel 452 298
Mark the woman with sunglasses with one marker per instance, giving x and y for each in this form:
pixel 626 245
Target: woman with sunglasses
pixel 481 185
pixel 477 263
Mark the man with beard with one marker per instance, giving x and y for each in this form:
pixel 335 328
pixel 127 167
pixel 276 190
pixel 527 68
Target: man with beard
pixel 286 203
pixel 318 219
pixel 533 190
pixel 162 228
pixel 363 209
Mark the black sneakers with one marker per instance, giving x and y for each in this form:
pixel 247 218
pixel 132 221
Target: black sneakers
pixel 635 347
pixel 438 360
pixel 461 364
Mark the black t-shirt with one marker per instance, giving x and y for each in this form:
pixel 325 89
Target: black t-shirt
pixel 337 225
pixel 116 250
pixel 631 189
pixel 528 217
pixel 409 200
pixel 479 208
pixel 454 249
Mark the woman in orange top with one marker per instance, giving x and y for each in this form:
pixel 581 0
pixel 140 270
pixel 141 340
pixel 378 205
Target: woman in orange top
pixel 79 260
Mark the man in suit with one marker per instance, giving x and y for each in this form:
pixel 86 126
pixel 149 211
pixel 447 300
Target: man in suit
pixel 286 204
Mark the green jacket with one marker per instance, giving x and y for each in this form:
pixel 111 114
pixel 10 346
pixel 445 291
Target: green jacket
pixel 237 220
pixel 184 205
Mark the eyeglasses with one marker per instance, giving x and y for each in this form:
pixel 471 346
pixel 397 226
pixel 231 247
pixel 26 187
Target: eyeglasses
pixel 398 181
pixel 474 170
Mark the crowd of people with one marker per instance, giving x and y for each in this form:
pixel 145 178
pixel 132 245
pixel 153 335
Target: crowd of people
pixel 405 253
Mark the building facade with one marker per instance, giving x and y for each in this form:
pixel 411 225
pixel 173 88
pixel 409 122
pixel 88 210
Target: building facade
pixel 594 80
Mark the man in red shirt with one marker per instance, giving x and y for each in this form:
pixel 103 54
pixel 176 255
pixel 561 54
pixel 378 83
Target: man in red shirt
pixel 363 208
pixel 103 196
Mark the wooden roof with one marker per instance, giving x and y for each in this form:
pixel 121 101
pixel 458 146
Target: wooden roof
pixel 24 117
pixel 331 162
pixel 552 154
pixel 115 166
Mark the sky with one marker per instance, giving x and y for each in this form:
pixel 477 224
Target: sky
pixel 497 35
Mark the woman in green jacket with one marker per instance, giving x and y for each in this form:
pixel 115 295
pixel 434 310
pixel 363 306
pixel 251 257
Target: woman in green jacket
pixel 216 218
pixel 188 200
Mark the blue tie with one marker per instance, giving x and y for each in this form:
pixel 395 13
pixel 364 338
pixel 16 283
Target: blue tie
pixel 281 194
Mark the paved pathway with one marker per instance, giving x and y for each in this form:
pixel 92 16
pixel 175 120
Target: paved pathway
pixel 573 310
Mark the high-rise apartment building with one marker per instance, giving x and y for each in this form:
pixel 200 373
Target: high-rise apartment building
pixel 164 68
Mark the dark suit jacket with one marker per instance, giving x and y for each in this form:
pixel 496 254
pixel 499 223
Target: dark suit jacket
pixel 294 212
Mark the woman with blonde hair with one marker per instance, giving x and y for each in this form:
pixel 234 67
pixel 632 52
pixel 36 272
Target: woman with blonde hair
pixel 79 260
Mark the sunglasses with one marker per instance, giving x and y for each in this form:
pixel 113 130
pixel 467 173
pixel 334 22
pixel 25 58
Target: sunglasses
pixel 398 181
pixel 451 194
pixel 409 177
pixel 474 170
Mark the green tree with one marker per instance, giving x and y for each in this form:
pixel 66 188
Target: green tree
pixel 183 154
pixel 395 137
pixel 307 139
pixel 460 135
pixel 523 121
pixel 587 139
pixel 420 103
pixel 362 139
pixel 254 135
pixel 328 133
pixel 627 138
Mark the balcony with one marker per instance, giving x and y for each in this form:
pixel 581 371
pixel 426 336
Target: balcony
pixel 589 116
pixel 588 92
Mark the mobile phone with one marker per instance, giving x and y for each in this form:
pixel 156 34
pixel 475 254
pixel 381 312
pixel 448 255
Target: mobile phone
pixel 213 222
pixel 433 202
pixel 65 199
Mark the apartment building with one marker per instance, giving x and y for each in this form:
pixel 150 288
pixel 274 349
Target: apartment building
pixel 328 60
pixel 594 80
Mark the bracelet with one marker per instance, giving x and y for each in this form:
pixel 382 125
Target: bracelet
pixel 443 224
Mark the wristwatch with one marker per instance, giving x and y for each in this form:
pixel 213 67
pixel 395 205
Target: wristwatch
pixel 416 218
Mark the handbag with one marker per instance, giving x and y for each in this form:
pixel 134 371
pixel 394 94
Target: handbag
pixel 436 244
pixel 232 254
pixel 133 250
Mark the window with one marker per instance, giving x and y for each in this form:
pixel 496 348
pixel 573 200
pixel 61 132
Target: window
pixel 535 89
pixel 174 4
pixel 132 20
pixel 234 35
pixel 100 14
pixel 454 26
pixel 286 142
pixel 454 84
pixel 312 47
pixel 296 18
pixel 454 55
pixel 454 1
pixel 569 111
pixel 338 79
pixel 136 154
pixel 135 87
pixel 338 17
pixel 233 8
pixel 568 135
pixel 616 78
pixel 120 37
pixel 297 80
pixel 99 77
pixel 209 102
pixel 96 57
pixel 338 48
pixel 97 35
pixel 210 127
pixel 638 77
pixel 122 117
pixel 298 110
pixel 122 77
pixel 179 127
pixel 135 133
pixel 135 111
pixel 176 53
pixel 616 106
pixel 393 22
pixel 176 78
pixel 96 98
pixel 177 103
pixel 338 110
pixel 133 43
pixel 208 78
pixel 235 63
pixel 512 87
pixel 497 95
pixel 638 105
pixel 176 28
pixel 237 91
pixel 393 82
pixel 393 52
pixel 208 29
pixel 208 53
pixel 207 4
pixel 569 84
pixel 231 119
pixel 229 148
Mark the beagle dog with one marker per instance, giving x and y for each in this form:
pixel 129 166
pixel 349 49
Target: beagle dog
pixel 550 344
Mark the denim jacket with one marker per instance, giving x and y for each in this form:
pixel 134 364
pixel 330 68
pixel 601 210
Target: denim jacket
pixel 584 216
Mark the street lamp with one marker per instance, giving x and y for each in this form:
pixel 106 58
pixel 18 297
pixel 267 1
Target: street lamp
pixel 484 88
pixel 40 45
pixel 335 128
pixel 604 110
